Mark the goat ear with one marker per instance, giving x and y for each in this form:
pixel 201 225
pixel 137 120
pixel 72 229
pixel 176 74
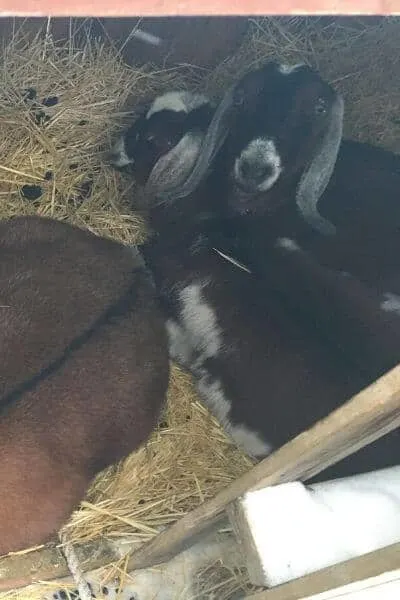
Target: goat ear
pixel 212 141
pixel 316 178
pixel 173 168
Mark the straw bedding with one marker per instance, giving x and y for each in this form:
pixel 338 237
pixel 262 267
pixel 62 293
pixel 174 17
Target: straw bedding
pixel 61 106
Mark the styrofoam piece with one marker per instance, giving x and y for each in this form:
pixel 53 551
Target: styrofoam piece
pixel 291 530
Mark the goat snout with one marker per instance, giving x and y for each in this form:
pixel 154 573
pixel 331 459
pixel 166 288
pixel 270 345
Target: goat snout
pixel 253 173
pixel 258 166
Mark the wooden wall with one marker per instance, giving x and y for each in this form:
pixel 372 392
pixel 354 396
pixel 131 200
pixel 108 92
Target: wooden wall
pixel 202 41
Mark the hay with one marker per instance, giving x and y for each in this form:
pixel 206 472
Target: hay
pixel 59 148
pixel 359 57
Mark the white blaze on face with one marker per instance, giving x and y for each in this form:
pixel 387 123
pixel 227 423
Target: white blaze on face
pixel 260 154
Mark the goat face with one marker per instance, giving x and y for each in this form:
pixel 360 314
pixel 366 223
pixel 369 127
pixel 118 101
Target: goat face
pixel 276 130
pixel 284 141
pixel 159 129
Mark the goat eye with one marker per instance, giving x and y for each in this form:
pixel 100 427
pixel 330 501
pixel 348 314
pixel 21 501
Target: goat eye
pixel 321 106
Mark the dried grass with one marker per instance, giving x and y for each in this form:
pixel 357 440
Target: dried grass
pixel 359 56
pixel 188 459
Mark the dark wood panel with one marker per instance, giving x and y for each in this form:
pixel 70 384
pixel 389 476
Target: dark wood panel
pixel 202 41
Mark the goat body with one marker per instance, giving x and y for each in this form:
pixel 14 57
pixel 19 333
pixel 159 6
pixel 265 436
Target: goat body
pixel 273 352
pixel 260 369
pixel 84 374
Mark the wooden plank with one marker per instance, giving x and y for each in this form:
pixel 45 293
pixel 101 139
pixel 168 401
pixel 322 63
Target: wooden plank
pixel 22 569
pixel 379 566
pixel 367 416
pixel 158 8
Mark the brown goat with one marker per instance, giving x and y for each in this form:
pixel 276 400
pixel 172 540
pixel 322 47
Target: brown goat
pixel 84 369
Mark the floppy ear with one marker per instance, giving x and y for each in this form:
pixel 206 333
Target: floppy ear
pixel 316 178
pixel 213 140
pixel 173 168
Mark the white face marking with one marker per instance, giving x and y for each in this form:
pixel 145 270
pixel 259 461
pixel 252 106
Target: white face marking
pixel 391 303
pixel 177 101
pixel 120 157
pixel 288 69
pixel 259 153
pixel 287 244
pixel 200 321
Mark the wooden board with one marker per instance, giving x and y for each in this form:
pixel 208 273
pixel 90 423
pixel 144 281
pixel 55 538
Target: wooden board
pixel 365 418
pixel 377 568
pixel 119 8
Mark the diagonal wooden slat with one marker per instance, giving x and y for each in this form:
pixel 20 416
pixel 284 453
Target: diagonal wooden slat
pixel 170 8
pixel 368 416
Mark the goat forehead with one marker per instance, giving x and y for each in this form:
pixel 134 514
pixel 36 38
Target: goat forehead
pixel 176 102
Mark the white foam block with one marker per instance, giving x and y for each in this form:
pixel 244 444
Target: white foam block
pixel 291 530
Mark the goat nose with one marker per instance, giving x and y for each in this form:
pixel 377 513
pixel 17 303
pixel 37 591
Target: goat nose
pixel 254 172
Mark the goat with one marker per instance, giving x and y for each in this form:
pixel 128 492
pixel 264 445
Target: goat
pixel 240 343
pixel 84 369
pixel 308 106
pixel 159 128
pixel 345 213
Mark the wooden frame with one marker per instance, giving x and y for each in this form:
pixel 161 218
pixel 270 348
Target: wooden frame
pixel 365 418
pixel 170 8
pixel 362 573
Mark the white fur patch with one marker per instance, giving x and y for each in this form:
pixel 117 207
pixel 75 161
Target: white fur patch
pixel 120 157
pixel 198 338
pixel 261 152
pixel 200 321
pixel 213 395
pixel 177 101
pixel 287 244
pixel 391 303
pixel 250 441
pixel 288 69
pixel 179 346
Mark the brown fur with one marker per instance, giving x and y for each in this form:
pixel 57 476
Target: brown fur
pixel 91 333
